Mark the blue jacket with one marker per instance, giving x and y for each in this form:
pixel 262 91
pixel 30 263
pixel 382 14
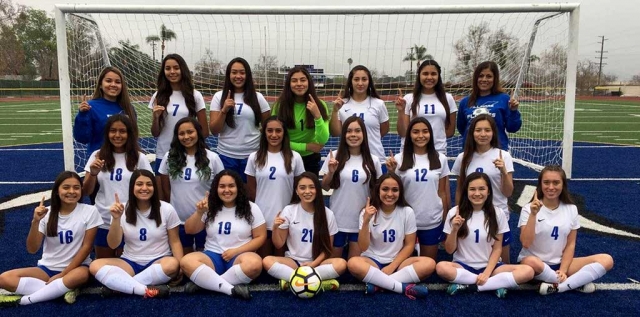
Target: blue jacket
pixel 88 127
pixel 498 106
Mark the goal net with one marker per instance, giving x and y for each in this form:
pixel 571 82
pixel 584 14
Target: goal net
pixel 531 44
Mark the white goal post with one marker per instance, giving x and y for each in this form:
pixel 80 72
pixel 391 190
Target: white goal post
pixel 536 46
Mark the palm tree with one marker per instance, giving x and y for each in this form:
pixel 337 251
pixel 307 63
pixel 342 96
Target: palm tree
pixel 152 39
pixel 418 54
pixel 165 35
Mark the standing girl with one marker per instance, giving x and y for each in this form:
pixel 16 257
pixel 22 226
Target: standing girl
pixel 388 236
pixel 68 229
pixel 351 171
pixel 307 227
pixel 187 171
pixel 425 176
pixel 305 116
pixel 152 249
pixel 236 114
pixel 109 169
pixel 270 174
pixel 548 233
pixel 474 230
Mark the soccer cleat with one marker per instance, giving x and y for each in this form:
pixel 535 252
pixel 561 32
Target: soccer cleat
pixel 587 288
pixel 241 291
pixel 370 289
pixel 330 285
pixel 157 291
pixel 191 288
pixel 70 296
pixel 10 300
pixel 453 289
pixel 284 285
pixel 548 288
pixel 501 292
pixel 414 291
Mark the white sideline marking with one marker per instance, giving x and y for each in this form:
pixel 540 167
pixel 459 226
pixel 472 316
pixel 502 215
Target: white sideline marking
pixel 1 149
pixel 26 200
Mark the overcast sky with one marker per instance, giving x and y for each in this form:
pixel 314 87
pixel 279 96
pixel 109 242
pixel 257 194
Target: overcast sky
pixel 617 20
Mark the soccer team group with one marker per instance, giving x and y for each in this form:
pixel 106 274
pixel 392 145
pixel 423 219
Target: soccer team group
pixel 219 219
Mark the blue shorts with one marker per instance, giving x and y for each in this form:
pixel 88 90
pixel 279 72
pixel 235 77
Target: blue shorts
pixel 269 234
pixel 476 271
pixel 554 267
pixel 384 169
pixel 101 239
pixel 340 239
pixel 506 238
pixel 380 265
pixel 156 166
pixel 137 268
pixel 219 264
pixel 431 236
pixel 51 273
pixel 238 165
pixel 187 240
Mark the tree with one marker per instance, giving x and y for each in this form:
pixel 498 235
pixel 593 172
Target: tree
pixel 419 54
pixel 140 68
pixel 266 69
pixel 471 50
pixel 635 80
pixel 36 32
pixel 151 40
pixel 209 69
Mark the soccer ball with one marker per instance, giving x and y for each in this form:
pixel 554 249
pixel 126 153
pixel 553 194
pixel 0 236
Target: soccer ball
pixel 305 282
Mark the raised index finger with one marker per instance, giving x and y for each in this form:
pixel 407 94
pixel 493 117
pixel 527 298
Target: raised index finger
pixel 457 211
pixel 399 92
pixel 340 94
pixel 117 199
pixel 368 202
pixel 230 96
pixel 42 202
pixel 535 195
pixel 330 155
pixel 390 153
pixel 84 98
pixel 500 154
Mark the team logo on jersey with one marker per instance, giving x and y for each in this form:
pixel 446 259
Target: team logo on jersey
pixel 479 111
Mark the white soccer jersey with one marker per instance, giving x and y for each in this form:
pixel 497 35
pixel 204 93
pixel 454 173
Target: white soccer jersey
pixel 189 189
pixel 474 250
pixel 484 163
pixel 274 187
pixel 348 199
pixel 226 231
pixel 176 110
pixel 59 251
pixel 114 182
pixel 374 113
pixel 387 233
pixel 432 109
pixel 300 225
pixel 421 189
pixel 240 141
pixel 552 229
pixel 145 241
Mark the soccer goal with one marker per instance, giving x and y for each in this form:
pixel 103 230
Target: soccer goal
pixel 535 46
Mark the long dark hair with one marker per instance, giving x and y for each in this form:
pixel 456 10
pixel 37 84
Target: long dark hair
pixel 56 203
pixel 177 158
pixel 439 89
pixel 131 148
pixel 132 205
pixel 470 145
pixel 123 99
pixel 466 208
pixel 343 154
pixel 287 100
pixel 165 90
pixel 408 153
pixel 250 97
pixel 285 147
pixel 495 89
pixel 565 195
pixel 348 86
pixel 321 238
pixel 243 207
pixel 375 194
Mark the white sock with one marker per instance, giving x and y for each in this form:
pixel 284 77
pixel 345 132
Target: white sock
pixel 548 275
pixel 207 278
pixel 501 280
pixel 406 275
pixel 281 271
pixel 326 272
pixel 378 278
pixel 119 280
pixel 51 291
pixel 29 285
pixel 153 275
pixel 586 274
pixel 464 277
pixel 234 275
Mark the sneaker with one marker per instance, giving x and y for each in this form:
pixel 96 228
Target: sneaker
pixel 157 291
pixel 106 292
pixel 501 292
pixel 370 289
pixel 330 285
pixel 587 288
pixel 70 296
pixel 453 289
pixel 414 291
pixel 548 288
pixel 241 291
pixel 10 300
pixel 191 288
pixel 284 285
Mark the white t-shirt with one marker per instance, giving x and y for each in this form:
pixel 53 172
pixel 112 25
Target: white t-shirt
pixel 189 189
pixel 146 242
pixel 387 233
pixel 240 141
pixel 176 110
pixel 484 163
pixel 552 229
pixel 374 113
pixel 226 231
pixel 59 251
pixel 348 199
pixel 114 182
pixel 474 250
pixel 421 189
pixel 274 187
pixel 300 225
pixel 432 109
